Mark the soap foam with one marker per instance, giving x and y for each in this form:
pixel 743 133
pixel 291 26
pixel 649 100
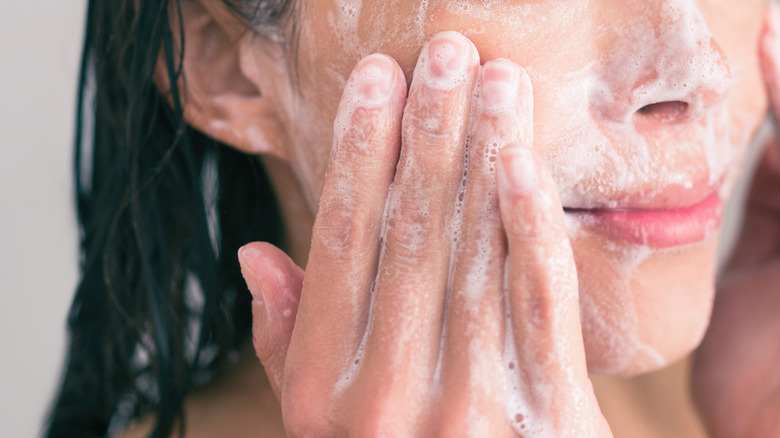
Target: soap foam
pixel 591 164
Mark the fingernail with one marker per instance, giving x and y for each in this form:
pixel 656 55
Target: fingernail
pixel 445 59
pixel 373 80
pixel 247 256
pixel 498 90
pixel 518 169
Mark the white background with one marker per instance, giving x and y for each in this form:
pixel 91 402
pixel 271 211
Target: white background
pixel 40 43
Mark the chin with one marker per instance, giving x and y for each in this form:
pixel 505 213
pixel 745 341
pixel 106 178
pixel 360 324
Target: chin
pixel 642 309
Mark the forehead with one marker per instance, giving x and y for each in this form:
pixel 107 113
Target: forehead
pixel 337 33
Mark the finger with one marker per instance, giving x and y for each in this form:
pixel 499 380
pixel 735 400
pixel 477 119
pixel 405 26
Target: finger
pixel 407 313
pixel 345 238
pixel 503 114
pixel 275 283
pixel 769 54
pixel 552 389
pixel 760 234
pixel 760 239
pixel 770 67
pixel 745 326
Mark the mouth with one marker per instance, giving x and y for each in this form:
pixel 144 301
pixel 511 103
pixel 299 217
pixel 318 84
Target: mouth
pixel 664 227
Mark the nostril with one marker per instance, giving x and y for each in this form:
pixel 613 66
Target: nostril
pixel 669 112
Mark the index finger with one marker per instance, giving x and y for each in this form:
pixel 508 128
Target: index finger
pixel 345 238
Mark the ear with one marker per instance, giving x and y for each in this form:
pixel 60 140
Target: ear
pixel 222 91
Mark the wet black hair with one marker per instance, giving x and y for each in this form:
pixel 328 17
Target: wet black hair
pixel 160 307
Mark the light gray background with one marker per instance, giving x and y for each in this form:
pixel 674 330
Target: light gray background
pixel 39 49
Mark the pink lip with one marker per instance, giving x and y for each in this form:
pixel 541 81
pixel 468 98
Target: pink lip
pixel 658 228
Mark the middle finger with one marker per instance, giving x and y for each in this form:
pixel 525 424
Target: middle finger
pixel 476 311
pixel 413 273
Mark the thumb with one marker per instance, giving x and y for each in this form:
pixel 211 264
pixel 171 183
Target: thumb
pixel 275 282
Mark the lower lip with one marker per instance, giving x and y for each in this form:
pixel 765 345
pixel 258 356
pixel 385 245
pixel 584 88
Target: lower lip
pixel 657 228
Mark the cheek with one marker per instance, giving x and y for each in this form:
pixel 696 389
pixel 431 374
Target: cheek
pixel 640 309
pixel 334 36
pixel 736 26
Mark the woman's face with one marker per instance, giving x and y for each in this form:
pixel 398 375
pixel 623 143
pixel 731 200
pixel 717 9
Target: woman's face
pixel 639 105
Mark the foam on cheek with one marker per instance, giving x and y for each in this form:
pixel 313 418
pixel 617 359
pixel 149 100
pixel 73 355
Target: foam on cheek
pixel 361 30
pixel 490 11
pixel 686 66
pixel 421 18
pixel 345 20
pixel 614 320
pixel 693 66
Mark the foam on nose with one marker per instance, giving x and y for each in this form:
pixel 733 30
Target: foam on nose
pixel 672 57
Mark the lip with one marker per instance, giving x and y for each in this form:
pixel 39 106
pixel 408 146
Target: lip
pixel 656 227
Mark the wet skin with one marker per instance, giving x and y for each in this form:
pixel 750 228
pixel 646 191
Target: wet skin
pixel 491 243
pixel 592 128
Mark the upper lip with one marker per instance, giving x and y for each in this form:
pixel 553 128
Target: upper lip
pixel 668 197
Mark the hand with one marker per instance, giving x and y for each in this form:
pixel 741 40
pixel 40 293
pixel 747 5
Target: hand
pixel 440 297
pixel 737 369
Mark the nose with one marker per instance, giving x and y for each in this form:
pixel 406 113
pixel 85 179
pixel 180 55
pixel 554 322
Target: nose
pixel 666 69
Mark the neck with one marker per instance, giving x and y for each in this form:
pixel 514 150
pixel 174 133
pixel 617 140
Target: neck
pixel 297 217
pixel 652 405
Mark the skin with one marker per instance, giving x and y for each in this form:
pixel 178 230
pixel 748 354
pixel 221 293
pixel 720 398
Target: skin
pixel 620 301
pixel 420 313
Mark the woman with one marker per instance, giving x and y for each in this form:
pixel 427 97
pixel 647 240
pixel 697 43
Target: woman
pixel 513 194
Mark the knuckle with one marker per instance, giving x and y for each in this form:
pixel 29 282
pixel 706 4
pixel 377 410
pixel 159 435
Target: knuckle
pixel 433 132
pixel 370 131
pixel 429 125
pixel 542 222
pixel 436 113
pixel 413 233
pixel 341 233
